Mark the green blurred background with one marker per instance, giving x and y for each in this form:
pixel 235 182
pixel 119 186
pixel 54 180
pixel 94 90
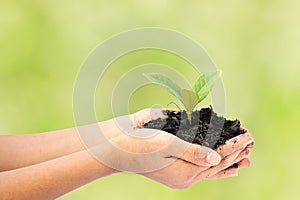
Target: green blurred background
pixel 255 43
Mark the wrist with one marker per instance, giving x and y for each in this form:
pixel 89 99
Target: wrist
pixel 96 139
pixel 109 129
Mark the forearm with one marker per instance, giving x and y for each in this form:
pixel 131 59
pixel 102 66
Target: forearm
pixel 24 150
pixel 53 178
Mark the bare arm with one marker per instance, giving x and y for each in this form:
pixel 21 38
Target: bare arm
pixel 51 179
pixel 24 150
pixel 48 165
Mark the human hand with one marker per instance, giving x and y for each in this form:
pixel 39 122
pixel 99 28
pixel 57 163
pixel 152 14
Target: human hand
pixel 160 155
pixel 182 174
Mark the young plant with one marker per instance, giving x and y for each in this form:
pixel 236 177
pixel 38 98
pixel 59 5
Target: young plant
pixel 189 98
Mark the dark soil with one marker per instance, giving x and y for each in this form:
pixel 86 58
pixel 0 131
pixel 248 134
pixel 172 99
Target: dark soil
pixel 206 127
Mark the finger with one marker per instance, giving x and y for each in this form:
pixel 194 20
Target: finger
pixel 224 174
pixel 231 171
pixel 148 114
pixel 202 156
pixel 240 161
pixel 251 145
pixel 243 155
pixel 217 170
pixel 243 163
pixel 128 123
pixel 193 153
pixel 235 144
pixel 225 163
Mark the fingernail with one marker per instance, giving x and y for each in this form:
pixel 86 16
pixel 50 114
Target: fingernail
pixel 213 158
pixel 246 153
pixel 248 163
pixel 233 174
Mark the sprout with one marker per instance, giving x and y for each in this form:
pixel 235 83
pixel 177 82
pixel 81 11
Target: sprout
pixel 189 98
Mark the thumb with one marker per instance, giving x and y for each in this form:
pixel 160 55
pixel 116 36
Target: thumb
pixel 201 155
pixel 194 153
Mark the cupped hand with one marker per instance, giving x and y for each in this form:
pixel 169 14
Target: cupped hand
pixel 167 159
pixel 182 174
pixel 148 150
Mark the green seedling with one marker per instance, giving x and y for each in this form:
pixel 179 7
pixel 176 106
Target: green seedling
pixel 189 98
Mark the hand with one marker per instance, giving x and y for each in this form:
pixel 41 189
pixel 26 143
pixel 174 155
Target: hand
pixel 160 155
pixel 148 150
pixel 182 174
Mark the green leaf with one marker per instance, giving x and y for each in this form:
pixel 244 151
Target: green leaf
pixel 190 99
pixel 167 83
pixel 203 93
pixel 204 84
pixel 206 79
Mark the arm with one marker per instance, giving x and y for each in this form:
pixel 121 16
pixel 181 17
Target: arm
pixel 57 162
pixel 36 148
pixel 18 151
pixel 51 179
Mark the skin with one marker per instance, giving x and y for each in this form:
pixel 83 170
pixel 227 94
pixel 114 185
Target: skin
pixel 48 165
pixel 36 148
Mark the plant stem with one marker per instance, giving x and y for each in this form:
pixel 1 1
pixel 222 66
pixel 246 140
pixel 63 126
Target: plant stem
pixel 189 115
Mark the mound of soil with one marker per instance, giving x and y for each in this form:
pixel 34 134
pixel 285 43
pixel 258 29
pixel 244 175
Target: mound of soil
pixel 205 128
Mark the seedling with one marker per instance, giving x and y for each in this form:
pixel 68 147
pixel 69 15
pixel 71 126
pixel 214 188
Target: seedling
pixel 188 98
pixel 207 129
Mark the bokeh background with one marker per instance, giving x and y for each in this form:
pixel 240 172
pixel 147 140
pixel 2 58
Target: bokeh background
pixel 256 43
